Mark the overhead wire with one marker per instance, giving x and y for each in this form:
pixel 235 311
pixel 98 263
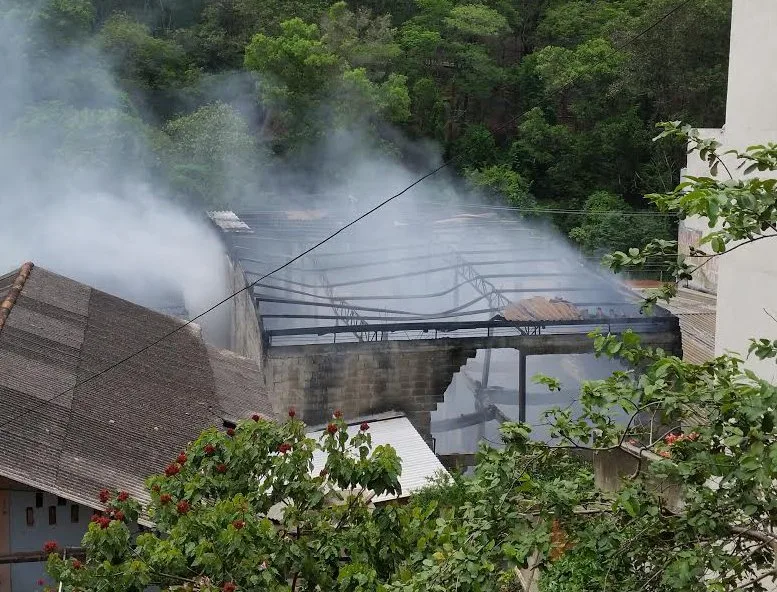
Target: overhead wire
pixel 318 244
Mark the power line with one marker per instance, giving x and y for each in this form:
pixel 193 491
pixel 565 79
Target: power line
pixel 320 243
pixel 550 211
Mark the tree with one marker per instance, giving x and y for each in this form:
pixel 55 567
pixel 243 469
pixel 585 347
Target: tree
pixel 307 79
pixel 501 181
pixel 211 511
pixel 603 229
pixel 211 156
pixel 140 57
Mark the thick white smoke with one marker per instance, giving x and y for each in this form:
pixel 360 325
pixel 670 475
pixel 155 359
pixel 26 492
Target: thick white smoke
pixel 75 208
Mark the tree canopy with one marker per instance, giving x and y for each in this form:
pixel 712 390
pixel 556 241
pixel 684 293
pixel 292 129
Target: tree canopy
pixel 562 94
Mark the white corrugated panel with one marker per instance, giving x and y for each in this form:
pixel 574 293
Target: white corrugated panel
pixel 419 463
pixel 228 221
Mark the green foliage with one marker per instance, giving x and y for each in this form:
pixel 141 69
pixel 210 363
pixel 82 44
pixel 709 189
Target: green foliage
pixel 337 79
pixel 211 154
pixel 476 20
pixel 211 511
pixel 603 229
pixel 501 181
pixel 66 21
pixel 142 59
pixel 98 141
pixel 455 72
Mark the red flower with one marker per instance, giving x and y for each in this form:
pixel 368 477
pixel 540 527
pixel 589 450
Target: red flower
pixel 256 417
pixel 665 453
pixel 238 524
pixel 181 458
pixel 105 495
pixel 95 518
pixel 222 468
pixel 230 432
pixel 228 587
pixel 338 414
pixel 119 515
pixel 104 522
pixel 123 496
pixel 50 547
pixel 292 412
pixel 155 488
pixel 173 469
pixel 41 582
pixel 77 564
pixel 165 498
pixel 284 448
pixel 209 449
pixel 183 507
pixel 364 427
pixel 331 428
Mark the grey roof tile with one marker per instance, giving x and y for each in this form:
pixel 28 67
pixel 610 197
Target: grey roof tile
pixel 114 429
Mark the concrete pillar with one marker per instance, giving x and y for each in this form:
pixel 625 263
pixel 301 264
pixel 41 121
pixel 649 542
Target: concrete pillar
pixel 521 386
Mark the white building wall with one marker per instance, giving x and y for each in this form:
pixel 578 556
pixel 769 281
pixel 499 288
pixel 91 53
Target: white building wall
pixel 23 537
pixel 746 279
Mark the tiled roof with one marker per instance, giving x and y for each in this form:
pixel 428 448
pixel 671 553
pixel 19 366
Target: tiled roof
pixel 696 312
pixel 538 308
pixel 120 427
pixel 11 286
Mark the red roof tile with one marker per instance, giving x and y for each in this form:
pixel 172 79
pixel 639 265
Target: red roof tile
pixel 13 294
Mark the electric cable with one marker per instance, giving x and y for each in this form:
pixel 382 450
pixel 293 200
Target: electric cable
pixel 323 241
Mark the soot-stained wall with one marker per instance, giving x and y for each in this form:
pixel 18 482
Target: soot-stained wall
pixel 365 378
pixel 409 376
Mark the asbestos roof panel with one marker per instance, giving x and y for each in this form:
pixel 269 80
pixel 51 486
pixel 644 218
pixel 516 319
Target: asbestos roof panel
pixel 239 385
pixel 419 463
pixel 228 221
pixel 82 424
pixel 696 312
pixel 6 281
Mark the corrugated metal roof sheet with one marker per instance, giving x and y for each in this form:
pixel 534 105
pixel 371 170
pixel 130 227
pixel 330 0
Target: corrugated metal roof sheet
pixel 538 308
pixel 696 312
pixel 419 463
pixel 228 221
pixel 120 427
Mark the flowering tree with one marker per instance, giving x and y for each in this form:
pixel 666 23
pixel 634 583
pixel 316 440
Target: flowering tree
pixel 213 510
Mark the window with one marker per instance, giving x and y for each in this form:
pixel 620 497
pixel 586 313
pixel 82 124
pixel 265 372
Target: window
pixel 61 501
pixel 30 516
pixel 74 513
pixel 52 514
pixel 38 499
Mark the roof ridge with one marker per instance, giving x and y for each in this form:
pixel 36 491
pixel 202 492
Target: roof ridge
pixel 13 294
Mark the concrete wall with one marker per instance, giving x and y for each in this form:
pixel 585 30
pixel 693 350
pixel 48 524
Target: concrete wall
pixel 246 333
pixel 17 536
pixel 747 278
pixel 409 376
pixel 366 379
pixel 752 78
